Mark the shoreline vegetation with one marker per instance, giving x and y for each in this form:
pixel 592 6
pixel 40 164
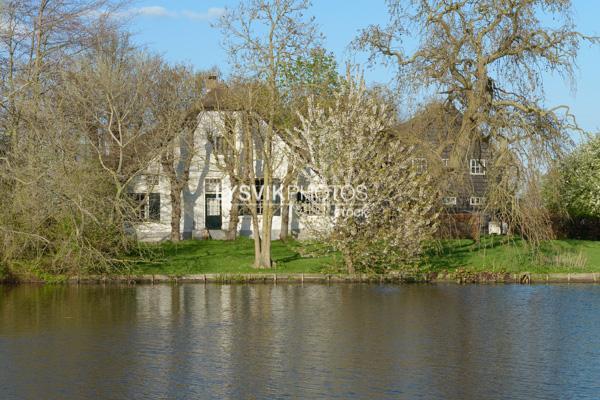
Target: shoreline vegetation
pixel 102 140
pixel 492 259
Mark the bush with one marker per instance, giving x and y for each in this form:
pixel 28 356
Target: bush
pixel 574 186
pixel 582 228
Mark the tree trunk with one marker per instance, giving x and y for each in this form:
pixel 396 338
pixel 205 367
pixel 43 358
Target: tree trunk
pixel 267 221
pixel 257 241
pixel 265 252
pixel 176 188
pixel 285 214
pixel 262 241
pixel 349 263
pixel 285 204
pixel 175 214
pixel 233 215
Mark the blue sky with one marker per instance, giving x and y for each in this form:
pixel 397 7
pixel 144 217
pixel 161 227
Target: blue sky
pixel 181 31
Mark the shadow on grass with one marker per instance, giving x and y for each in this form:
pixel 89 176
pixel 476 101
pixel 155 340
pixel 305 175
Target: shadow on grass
pixel 288 259
pixel 215 256
pixel 450 254
pixel 198 248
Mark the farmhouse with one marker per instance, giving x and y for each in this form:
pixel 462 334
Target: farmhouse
pixel 211 201
pixel 211 194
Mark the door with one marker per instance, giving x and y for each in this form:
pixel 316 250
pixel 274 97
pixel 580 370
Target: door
pixel 212 202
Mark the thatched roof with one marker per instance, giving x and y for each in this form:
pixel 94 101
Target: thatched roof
pixel 217 98
pixel 434 123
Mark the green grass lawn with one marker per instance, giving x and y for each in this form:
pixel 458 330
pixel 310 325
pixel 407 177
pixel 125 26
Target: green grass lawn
pixel 502 254
pixel 491 254
pixel 214 256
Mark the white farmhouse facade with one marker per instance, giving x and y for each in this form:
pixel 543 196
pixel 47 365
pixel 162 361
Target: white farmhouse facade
pixel 207 198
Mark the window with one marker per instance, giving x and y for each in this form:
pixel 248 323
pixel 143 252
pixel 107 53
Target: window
pixel 146 207
pixel 477 167
pixel 259 184
pixel 476 201
pixel 139 206
pixel 213 207
pixel 244 208
pixel 218 144
pixel 449 201
pixel 419 164
pixel 154 207
pixel 212 186
pixel 445 162
pixel 260 195
pixel 216 140
pixel 314 203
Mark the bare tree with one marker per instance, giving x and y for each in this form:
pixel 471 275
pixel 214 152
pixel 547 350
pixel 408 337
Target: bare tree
pixel 261 37
pixel 487 59
pixel 175 106
pixel 36 39
pixel 107 96
pixel 53 209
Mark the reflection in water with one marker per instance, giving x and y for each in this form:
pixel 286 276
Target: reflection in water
pixel 312 341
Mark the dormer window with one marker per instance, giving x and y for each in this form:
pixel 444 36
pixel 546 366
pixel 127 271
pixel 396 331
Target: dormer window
pixel 218 143
pixel 449 201
pixel 477 166
pixel 476 201
pixel 216 140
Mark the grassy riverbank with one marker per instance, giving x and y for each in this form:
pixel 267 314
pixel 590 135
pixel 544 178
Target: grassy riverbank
pixel 492 254
pixel 214 257
pixel 501 254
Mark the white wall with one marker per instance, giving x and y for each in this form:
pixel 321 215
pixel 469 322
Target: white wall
pixel 203 167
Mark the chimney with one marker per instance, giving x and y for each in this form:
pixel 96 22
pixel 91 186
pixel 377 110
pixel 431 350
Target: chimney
pixel 211 82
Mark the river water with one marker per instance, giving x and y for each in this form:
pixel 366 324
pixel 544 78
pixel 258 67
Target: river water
pixel 292 341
